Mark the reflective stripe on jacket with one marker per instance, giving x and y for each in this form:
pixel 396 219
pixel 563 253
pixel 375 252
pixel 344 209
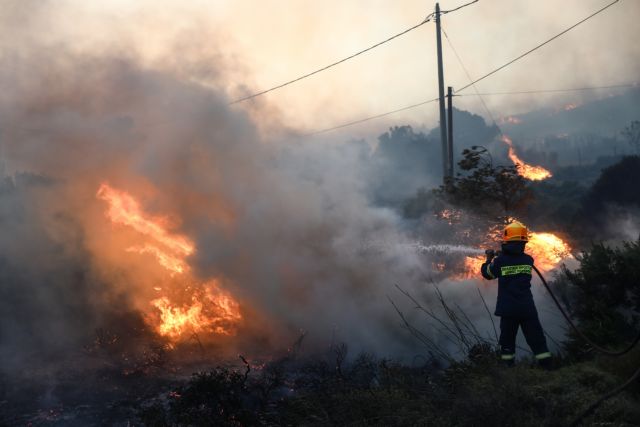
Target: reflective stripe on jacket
pixel 512 268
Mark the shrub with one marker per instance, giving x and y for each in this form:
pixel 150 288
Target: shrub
pixel 604 294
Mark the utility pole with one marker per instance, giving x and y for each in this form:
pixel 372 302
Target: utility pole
pixel 450 129
pixel 443 120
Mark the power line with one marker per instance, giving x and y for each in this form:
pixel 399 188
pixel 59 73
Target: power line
pixel 574 89
pixel 632 345
pixel 444 12
pixel 326 67
pixel 539 46
pixel 371 118
pixel 470 78
pixel 473 82
pixel 480 94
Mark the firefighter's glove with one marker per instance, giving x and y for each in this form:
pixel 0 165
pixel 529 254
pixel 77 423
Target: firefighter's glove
pixel 490 253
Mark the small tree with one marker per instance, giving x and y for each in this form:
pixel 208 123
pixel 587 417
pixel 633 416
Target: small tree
pixel 495 192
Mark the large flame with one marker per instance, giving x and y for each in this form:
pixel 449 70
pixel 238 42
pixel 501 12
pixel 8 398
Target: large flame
pixel 124 209
pixel 168 261
pixel 547 250
pixel 533 173
pixel 210 309
pixel 217 314
pixel 472 265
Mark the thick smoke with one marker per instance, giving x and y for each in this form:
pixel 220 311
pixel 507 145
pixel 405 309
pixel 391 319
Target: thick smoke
pixel 47 287
pixel 285 222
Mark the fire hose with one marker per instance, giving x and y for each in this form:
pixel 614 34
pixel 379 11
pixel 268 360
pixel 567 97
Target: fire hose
pixel 603 350
pixel 580 333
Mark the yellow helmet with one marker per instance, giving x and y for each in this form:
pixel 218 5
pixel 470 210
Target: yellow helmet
pixel 516 232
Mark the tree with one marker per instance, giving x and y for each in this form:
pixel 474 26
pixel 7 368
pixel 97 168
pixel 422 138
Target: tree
pixel 496 192
pixel 401 164
pixel 556 205
pixel 616 186
pixel 632 134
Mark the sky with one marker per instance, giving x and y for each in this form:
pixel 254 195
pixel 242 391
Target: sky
pixel 247 46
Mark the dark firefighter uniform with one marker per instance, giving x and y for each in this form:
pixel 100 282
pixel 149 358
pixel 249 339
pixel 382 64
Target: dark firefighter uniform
pixel 515 306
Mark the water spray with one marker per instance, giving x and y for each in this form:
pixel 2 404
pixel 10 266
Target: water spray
pixel 435 249
pixel 448 249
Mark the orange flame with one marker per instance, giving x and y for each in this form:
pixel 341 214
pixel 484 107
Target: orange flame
pixel 219 316
pixel 548 250
pixel 533 173
pixel 124 209
pixel 176 320
pixel 450 215
pixel 472 265
pixel 171 263
pixel 211 310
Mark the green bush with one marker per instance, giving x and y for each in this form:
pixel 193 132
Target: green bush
pixel 604 296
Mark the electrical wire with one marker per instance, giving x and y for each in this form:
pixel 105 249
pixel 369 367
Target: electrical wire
pixel 326 67
pixel 444 12
pixel 480 95
pixel 472 83
pixel 333 64
pixel 575 89
pixel 539 46
pixel 366 119
pixel 595 404
pixel 466 71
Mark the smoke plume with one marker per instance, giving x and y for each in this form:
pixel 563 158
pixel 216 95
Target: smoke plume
pixel 283 222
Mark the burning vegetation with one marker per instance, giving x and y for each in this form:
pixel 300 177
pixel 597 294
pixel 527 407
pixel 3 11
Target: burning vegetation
pixel 548 250
pixel 481 201
pixel 111 299
pixel 208 308
pixel 533 173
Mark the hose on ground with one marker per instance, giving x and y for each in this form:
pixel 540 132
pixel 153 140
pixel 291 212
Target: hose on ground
pixel 604 397
pixel 594 405
pixel 580 333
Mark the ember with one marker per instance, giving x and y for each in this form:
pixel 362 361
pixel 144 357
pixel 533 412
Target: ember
pixel 511 120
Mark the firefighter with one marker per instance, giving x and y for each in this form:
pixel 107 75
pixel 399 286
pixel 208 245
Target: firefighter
pixel 515 306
